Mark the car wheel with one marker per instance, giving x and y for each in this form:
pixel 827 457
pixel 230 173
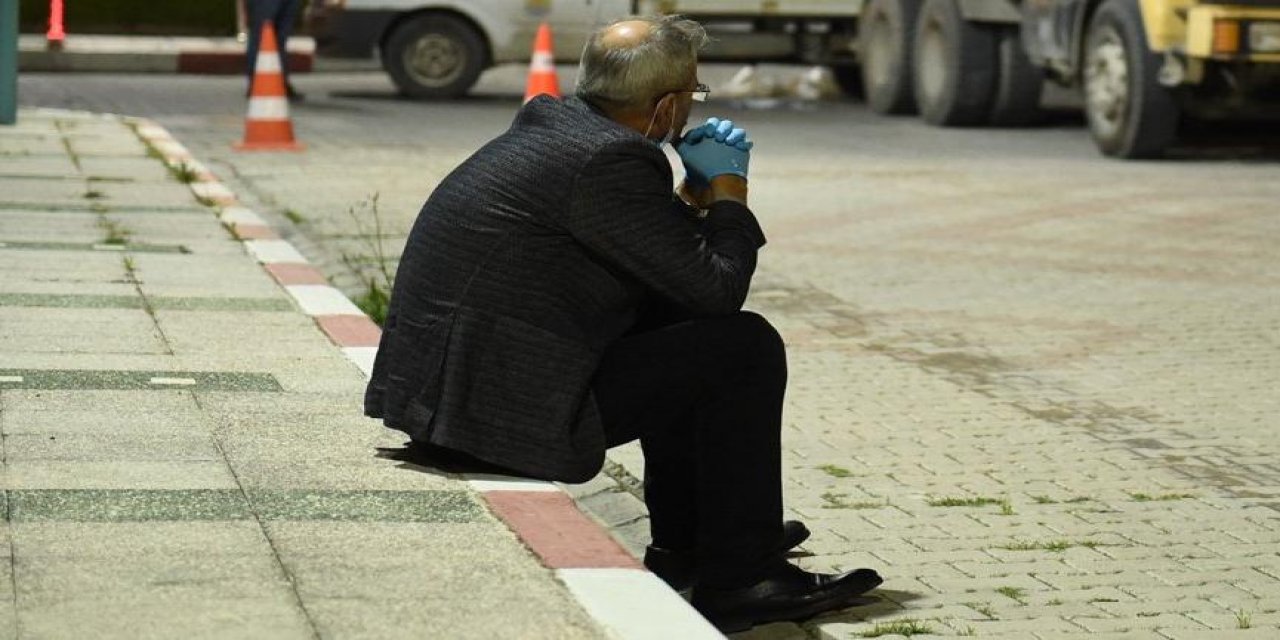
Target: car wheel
pixel 955 66
pixel 1130 114
pixel 884 34
pixel 434 56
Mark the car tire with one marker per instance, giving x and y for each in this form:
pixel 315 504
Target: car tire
pixel 954 66
pixel 884 34
pixel 1130 114
pixel 434 56
pixel 1019 83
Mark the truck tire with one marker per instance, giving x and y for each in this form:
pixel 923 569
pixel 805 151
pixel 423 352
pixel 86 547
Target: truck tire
pixel 884 37
pixel 1019 83
pixel 434 56
pixel 955 66
pixel 1130 114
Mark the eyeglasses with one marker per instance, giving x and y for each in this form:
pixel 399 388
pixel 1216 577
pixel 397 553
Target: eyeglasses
pixel 698 93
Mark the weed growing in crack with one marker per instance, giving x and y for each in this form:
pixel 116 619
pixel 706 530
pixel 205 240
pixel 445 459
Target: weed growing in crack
pixel 977 501
pixel 1016 594
pixel 116 233
pixel 982 607
pixel 1056 546
pixel 835 471
pixel 1145 497
pixel 183 172
pixel 906 627
pixel 837 501
pixel 376 296
pixel 1244 620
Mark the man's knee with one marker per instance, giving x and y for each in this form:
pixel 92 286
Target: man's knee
pixel 763 342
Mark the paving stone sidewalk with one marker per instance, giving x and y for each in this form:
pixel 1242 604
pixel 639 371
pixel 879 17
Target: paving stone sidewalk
pixel 184 454
pixel 1036 393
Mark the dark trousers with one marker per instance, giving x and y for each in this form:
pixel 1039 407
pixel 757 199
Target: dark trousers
pixel 282 14
pixel 705 399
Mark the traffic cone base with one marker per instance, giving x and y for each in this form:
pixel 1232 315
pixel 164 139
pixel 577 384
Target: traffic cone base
pixel 267 126
pixel 542 67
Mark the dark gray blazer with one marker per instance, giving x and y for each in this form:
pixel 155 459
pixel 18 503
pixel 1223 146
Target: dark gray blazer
pixel 526 262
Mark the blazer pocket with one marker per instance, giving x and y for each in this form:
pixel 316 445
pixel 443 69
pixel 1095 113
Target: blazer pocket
pixel 530 380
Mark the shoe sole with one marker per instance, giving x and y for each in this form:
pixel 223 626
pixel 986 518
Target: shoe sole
pixel 840 599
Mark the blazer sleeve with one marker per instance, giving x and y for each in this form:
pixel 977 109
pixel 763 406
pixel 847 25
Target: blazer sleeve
pixel 621 209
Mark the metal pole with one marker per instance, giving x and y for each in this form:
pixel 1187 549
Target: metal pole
pixel 8 61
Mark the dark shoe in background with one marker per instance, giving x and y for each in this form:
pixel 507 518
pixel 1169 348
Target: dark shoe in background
pixel 789 593
pixel 678 568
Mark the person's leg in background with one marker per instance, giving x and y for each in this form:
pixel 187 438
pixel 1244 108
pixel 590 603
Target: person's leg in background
pixel 286 16
pixel 259 12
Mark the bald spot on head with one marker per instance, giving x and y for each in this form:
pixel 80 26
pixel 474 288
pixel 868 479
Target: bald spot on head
pixel 626 34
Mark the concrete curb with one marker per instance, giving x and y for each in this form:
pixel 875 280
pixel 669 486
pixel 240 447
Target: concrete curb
pixel 611 586
pixel 145 54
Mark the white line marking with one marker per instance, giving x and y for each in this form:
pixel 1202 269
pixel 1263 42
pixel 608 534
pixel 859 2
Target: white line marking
pixel 274 252
pixel 240 215
pixel 173 381
pixel 484 482
pixel 108 247
pixel 322 300
pixel 362 357
pixel 211 190
pixel 636 605
pixel 11 378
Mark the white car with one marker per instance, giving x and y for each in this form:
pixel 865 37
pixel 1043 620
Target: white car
pixel 437 48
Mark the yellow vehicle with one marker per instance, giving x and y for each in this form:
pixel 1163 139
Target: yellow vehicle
pixel 1143 64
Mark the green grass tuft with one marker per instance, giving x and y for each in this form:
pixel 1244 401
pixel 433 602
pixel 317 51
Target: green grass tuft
pixel 978 501
pixel 1013 593
pixel 1146 497
pixel 1056 546
pixel 898 627
pixel 835 471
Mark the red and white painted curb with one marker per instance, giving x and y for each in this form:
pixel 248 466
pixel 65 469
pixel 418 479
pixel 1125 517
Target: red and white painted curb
pixel 625 599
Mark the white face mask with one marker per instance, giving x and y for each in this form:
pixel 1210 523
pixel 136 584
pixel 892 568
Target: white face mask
pixel 671 132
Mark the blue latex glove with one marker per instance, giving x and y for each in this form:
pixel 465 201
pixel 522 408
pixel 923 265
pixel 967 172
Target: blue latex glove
pixel 715 148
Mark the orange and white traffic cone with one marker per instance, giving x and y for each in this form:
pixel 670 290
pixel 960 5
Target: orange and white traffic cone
pixel 542 68
pixel 267 126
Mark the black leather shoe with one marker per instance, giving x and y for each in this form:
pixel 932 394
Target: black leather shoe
pixel 677 567
pixel 788 594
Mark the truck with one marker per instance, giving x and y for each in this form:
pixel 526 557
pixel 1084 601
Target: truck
pixel 1142 66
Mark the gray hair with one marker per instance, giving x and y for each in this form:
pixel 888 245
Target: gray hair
pixel 631 76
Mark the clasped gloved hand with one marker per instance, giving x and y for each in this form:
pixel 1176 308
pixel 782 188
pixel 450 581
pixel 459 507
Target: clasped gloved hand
pixel 713 149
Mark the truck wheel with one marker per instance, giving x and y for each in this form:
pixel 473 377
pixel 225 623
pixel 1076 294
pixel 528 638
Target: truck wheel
pixel 1130 114
pixel 884 35
pixel 1018 85
pixel 955 66
pixel 434 56
pixel 849 78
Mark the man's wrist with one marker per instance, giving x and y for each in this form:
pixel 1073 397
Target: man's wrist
pixel 729 187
